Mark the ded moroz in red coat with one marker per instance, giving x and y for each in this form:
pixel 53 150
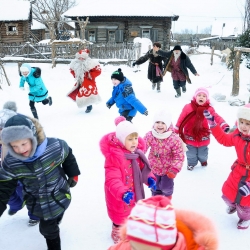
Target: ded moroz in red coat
pixel 240 170
pixel 85 91
pixel 118 177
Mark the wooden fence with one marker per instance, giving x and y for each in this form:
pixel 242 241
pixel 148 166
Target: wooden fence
pixel 98 51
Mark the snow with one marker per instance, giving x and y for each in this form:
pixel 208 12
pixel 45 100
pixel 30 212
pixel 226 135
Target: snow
pixel 37 25
pixel 86 224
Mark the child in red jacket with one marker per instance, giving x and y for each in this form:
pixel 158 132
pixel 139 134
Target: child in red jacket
pixel 126 169
pixel 193 128
pixel 236 188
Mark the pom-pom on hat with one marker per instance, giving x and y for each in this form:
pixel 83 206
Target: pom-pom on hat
pixel 19 127
pixel 10 105
pixel 124 128
pixel 201 90
pixel 118 75
pixel 9 110
pixel 177 47
pixel 84 53
pixel 153 222
pixel 163 116
pixel 244 112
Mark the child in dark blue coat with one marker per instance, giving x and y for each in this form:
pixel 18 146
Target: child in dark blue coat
pixel 124 97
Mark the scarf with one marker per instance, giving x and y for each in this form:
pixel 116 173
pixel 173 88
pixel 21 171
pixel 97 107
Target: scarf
pixel 198 130
pixel 139 176
pixel 164 135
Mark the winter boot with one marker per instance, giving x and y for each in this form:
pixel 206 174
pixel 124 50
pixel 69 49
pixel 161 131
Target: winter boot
pixel 33 222
pixel 178 91
pixel 89 108
pixel 243 224
pixel 34 113
pixel 204 164
pixel 153 86
pixel 231 210
pixel 158 87
pixel 184 89
pixel 50 100
pixel 54 244
pixel 10 212
pixel 115 234
pixel 190 168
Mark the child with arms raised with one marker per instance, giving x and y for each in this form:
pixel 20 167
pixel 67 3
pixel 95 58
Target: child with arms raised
pixel 194 130
pixel 236 188
pixel 166 154
pixel 126 169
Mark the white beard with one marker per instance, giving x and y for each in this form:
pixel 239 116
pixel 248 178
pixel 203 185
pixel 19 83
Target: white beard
pixel 176 56
pixel 81 67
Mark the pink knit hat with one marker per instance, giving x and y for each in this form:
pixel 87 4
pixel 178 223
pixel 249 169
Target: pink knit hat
pixel 124 128
pixel 201 90
pixel 152 222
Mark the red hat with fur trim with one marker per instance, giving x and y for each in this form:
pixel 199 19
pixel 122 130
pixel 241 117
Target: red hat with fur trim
pixel 152 222
pixel 84 53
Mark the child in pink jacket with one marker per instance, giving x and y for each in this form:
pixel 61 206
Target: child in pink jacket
pixel 126 169
pixel 166 154
pixel 155 225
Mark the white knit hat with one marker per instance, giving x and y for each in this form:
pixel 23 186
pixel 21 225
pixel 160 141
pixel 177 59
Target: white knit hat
pixel 124 128
pixel 163 116
pixel 153 222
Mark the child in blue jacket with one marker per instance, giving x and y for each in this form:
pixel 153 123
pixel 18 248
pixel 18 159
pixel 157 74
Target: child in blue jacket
pixel 124 97
pixel 38 91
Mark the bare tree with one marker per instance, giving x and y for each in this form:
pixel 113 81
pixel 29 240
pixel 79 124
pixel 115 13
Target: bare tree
pixel 45 11
pixel 207 30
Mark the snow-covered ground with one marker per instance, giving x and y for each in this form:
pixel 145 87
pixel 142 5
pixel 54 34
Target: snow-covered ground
pixel 86 224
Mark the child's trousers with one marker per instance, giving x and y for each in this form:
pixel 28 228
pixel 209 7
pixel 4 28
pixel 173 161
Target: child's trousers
pixel 195 154
pixel 164 186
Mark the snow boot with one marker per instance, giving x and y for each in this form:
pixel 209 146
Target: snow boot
pixel 204 164
pixel 54 244
pixel 50 100
pixel 231 210
pixel 153 86
pixel 184 89
pixel 10 212
pixel 178 91
pixel 34 113
pixel 89 108
pixel 115 234
pixel 158 84
pixel 33 222
pixel 243 224
pixel 190 168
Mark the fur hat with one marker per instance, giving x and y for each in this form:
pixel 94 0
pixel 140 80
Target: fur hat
pixel 177 47
pixel 19 127
pixel 163 116
pixel 124 128
pixel 118 75
pixel 153 222
pixel 84 53
pixel 25 67
pixel 201 90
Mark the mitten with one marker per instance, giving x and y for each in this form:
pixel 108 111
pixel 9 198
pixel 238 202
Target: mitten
pixel 210 118
pixel 108 105
pixel 151 183
pixel 171 174
pixel 21 88
pixel 127 197
pixel 133 64
pixel 245 189
pixel 225 127
pixel 145 113
pixel 72 181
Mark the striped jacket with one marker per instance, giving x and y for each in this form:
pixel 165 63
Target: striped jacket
pixel 45 187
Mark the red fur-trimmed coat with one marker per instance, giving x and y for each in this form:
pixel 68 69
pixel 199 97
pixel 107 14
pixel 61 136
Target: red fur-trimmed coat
pixel 195 232
pixel 118 177
pixel 240 170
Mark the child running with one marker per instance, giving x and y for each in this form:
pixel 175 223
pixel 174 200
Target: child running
pixel 194 130
pixel 124 97
pixel 166 154
pixel 46 168
pixel 126 169
pixel 236 189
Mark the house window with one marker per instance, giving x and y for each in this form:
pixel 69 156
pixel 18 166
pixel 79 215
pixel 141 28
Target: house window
pixel 111 36
pixel 146 33
pixel 11 29
pixel 92 36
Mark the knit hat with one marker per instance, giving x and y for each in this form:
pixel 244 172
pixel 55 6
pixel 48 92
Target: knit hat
pixel 124 128
pixel 19 127
pixel 201 90
pixel 152 222
pixel 84 53
pixel 163 116
pixel 118 75
pixel 243 113
pixel 177 47
pixel 25 67
pixel 5 115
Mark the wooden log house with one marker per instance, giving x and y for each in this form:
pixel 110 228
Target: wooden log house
pixel 122 21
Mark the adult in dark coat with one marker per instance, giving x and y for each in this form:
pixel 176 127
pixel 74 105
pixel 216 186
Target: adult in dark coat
pixel 177 62
pixel 155 66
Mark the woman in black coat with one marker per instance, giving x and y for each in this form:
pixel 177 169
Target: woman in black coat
pixel 155 66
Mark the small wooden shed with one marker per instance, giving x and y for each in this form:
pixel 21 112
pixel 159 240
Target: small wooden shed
pixel 122 21
pixel 15 21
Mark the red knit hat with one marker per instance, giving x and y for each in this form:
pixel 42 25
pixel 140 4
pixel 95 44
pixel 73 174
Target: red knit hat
pixel 152 222
pixel 84 53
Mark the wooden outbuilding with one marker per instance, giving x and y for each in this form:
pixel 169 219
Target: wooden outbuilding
pixel 15 21
pixel 121 21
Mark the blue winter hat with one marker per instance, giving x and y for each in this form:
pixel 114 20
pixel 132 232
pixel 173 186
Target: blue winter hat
pixel 25 68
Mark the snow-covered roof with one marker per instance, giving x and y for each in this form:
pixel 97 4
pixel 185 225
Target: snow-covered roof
pixel 14 10
pixel 37 25
pixel 147 8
